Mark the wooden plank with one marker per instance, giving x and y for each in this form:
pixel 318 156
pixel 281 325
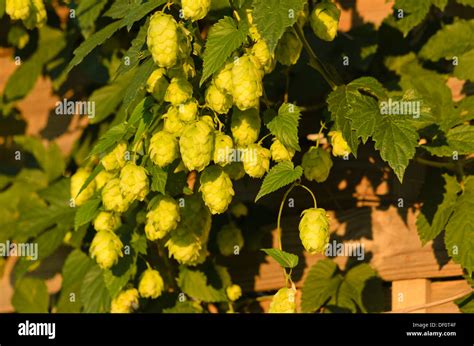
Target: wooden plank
pixel 445 289
pixel 408 293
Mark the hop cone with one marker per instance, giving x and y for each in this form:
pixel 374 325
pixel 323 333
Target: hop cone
pixel 234 292
pixel 228 238
pixel 185 69
pixel 151 284
pixel 188 111
pixel 283 301
pixel 125 302
pixel 223 78
pixel 77 181
pixel 134 182
pixel 196 145
pixel 245 126
pixel 102 178
pixel 324 20
pixel 162 218
pixel 17 9
pixel 247 82
pixel 172 123
pixel 280 152
pixel 289 48
pixel 216 188
pixel 188 242
pixel 157 84
pixel 195 9
pixel 339 145
pixel 223 149
pixel 106 248
pixel 163 148
pixel 107 221
pixel 256 160
pixel 265 58
pixel 112 197
pixel 115 160
pixel 217 100
pixel 179 91
pixel 314 230
pixel 162 39
pixel 239 210
pixel 316 164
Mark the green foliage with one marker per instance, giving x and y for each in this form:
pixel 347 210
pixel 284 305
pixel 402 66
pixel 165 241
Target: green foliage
pixel 206 288
pixel 31 296
pixel 285 259
pixel 94 294
pixel 284 125
pixel 279 176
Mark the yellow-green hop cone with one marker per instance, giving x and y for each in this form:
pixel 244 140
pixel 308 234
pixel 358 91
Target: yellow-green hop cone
pixel 157 84
pixel 216 188
pixel 162 218
pixel 239 210
pixel 265 58
pixel 163 148
pixel 208 120
pixel 218 101
pixel 37 15
pixel 172 123
pixel 107 221
pixel 316 164
pixel 125 302
pixel 134 182
pixel 247 82
pixel 245 126
pixel 162 39
pixel 196 145
pixel 195 9
pixel 77 181
pixel 314 230
pixel 179 91
pixel 223 149
pixel 339 144
pixel 151 284
pixel 280 152
pixel 235 170
pixel 289 47
pixel 188 111
pixel 324 20
pixel 256 160
pixel 103 178
pixel 223 79
pixel 230 240
pixel 284 301
pixel 17 9
pixel 106 249
pixel 234 292
pixel 115 160
pixel 188 242
pixel 112 197
pixel 254 34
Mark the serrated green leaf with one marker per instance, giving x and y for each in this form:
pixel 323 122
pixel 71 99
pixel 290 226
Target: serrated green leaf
pixel 320 285
pixel 110 139
pixel 94 294
pixel 414 12
pixel 159 178
pixel 441 4
pixel 87 13
pixel 284 126
pixel 138 82
pixel 136 52
pixel 141 110
pixel 272 17
pixel 279 176
pixel 441 45
pixel 107 98
pixel 195 284
pixel 86 212
pixel 31 296
pixel 466 304
pixel 120 8
pixel 396 140
pixel 459 237
pixel 284 259
pixel 459 140
pixel 466 2
pixel 438 206
pixel 223 39
pixel 466 108
pixel 74 270
pixel 138 12
pixel 465 68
